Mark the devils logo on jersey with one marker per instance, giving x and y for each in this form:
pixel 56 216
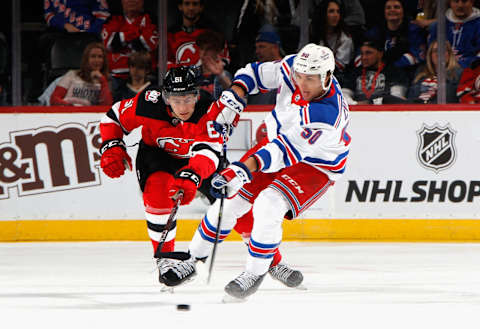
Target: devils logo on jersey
pixel 177 147
pixel 436 149
pixel 152 96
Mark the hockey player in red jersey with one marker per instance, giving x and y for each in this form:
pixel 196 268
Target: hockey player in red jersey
pixel 179 150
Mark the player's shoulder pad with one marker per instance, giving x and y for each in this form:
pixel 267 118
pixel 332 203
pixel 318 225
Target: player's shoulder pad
pixel 150 104
pixel 288 60
pixel 202 106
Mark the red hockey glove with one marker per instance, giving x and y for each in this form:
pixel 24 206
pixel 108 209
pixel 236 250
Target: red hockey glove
pixel 233 178
pixel 230 106
pixel 114 158
pixel 186 180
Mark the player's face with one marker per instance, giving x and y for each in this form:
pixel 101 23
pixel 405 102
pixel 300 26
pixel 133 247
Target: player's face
pixel 393 10
pixel 369 56
pixel 191 9
pixel 183 106
pixel 461 8
pixel 265 51
pixel 95 59
pixel 310 85
pixel 333 14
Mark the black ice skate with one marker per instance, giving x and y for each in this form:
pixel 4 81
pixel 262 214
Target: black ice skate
pixel 289 277
pixel 244 285
pixel 173 272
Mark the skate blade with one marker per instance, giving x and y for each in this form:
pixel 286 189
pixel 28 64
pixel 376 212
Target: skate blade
pixel 301 287
pixel 228 299
pixel 166 289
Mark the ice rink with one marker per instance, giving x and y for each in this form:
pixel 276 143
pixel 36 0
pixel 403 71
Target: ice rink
pixel 349 285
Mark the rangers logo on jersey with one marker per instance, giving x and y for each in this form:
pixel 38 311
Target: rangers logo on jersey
pixel 436 149
pixel 152 96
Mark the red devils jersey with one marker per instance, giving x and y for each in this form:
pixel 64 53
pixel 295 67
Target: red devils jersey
pixel 182 49
pixel 195 138
pixel 122 30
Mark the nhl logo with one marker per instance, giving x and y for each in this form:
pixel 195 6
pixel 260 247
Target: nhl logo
pixel 436 148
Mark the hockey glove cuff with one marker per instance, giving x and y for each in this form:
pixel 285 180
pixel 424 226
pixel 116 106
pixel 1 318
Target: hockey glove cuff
pixel 232 178
pixel 188 181
pixel 114 158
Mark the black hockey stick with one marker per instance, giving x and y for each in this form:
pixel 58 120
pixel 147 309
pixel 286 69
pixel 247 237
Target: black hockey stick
pixel 177 199
pixel 225 132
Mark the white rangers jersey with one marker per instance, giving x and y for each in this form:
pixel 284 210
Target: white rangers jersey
pixel 299 131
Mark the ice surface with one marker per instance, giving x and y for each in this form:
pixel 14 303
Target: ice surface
pixel 349 285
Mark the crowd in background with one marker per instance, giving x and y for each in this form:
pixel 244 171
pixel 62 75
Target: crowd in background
pixel 95 52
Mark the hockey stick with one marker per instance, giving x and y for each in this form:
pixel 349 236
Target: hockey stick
pixel 177 199
pixel 225 132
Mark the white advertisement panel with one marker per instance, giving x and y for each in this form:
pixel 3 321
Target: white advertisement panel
pixel 401 165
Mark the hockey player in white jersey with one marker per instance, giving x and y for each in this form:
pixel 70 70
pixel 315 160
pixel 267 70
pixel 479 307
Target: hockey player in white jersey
pixel 304 153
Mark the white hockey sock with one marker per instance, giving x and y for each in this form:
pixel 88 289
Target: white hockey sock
pixel 202 242
pixel 268 213
pixel 156 225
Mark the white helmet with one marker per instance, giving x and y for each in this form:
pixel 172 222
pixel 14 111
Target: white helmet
pixel 315 59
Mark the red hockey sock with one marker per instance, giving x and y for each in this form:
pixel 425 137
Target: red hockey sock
pixel 276 258
pixel 168 246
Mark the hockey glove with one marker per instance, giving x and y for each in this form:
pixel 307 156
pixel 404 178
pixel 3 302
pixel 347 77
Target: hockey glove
pixel 186 180
pixel 230 106
pixel 114 158
pixel 232 178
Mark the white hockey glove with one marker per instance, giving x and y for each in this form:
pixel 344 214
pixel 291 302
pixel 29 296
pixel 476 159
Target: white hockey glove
pixel 230 106
pixel 232 178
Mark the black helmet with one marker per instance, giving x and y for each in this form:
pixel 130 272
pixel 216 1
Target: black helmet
pixel 180 81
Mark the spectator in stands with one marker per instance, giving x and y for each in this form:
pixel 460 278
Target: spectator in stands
pixel 182 48
pixel 213 76
pixel 87 86
pixel 267 49
pixel 125 34
pixel 425 86
pixel 76 15
pixel 328 29
pixel 469 87
pixel 403 42
pixel 353 17
pixel 375 82
pixel 463 30
pixel 139 65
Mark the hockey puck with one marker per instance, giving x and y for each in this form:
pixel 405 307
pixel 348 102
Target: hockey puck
pixel 183 307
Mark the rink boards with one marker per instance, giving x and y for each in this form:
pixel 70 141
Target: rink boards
pixel 412 175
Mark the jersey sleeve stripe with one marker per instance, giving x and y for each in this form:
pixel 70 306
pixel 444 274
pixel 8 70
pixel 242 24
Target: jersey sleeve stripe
pixel 305 115
pixel 286 78
pixel 286 160
pixel 263 158
pixel 246 81
pixel 260 85
pixel 294 155
pixel 274 114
